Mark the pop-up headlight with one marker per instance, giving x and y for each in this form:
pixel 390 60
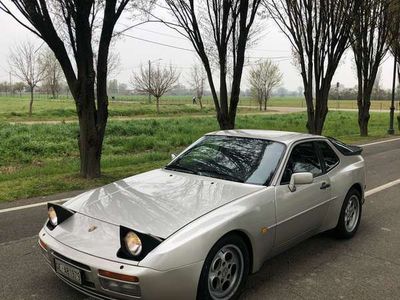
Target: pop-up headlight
pixel 57 214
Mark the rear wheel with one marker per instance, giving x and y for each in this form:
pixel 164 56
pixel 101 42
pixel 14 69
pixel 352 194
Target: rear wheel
pixel 225 269
pixel 350 215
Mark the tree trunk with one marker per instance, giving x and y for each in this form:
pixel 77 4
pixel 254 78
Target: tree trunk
pixel 90 137
pixel 363 124
pixel 310 110
pixel 321 108
pixel 31 102
pixel 158 104
pixel 201 103
pixel 53 92
pixel 225 123
pixel 90 150
pixel 92 119
pixel 363 116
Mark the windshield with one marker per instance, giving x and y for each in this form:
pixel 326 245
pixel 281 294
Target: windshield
pixel 238 159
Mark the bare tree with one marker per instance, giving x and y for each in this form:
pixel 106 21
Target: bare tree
pixel 319 31
pixel 371 32
pixel 161 80
pixel 221 29
pixel 73 30
pixel 53 72
pixel 25 64
pixel 263 78
pixel 198 79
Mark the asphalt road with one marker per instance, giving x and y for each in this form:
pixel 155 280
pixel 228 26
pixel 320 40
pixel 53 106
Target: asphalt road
pixel 366 267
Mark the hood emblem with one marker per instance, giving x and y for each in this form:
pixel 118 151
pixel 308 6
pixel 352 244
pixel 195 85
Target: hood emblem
pixel 92 228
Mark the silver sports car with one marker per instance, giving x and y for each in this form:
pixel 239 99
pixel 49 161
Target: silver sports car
pixel 199 226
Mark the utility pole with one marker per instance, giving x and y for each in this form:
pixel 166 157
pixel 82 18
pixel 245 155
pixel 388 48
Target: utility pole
pixel 150 76
pixel 10 83
pixel 149 80
pixel 392 108
pixel 337 91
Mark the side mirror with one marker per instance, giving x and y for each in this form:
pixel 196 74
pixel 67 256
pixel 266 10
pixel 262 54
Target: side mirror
pixel 173 156
pixel 300 178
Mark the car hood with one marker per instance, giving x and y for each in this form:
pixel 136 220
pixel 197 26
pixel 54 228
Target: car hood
pixel 158 202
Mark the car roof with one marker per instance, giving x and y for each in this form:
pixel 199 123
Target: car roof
pixel 273 135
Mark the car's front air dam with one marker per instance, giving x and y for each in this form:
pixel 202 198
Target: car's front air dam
pixel 178 283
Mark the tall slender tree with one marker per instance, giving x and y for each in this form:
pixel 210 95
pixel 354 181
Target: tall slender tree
pixel 320 32
pixel 198 78
pixel 263 77
pixel 78 27
pixel 25 64
pixel 53 75
pixel 370 45
pixel 218 29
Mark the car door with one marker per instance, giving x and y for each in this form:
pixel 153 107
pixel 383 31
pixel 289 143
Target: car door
pixel 300 212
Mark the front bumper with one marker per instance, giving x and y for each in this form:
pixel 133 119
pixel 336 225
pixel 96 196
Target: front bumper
pixel 179 283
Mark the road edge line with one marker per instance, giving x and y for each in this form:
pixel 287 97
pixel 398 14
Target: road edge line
pixel 380 142
pixel 382 187
pixel 5 210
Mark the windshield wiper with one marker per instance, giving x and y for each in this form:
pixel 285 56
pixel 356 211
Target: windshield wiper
pixel 221 175
pixel 180 169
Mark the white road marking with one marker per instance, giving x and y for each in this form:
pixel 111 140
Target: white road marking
pixel 382 187
pixel 31 205
pixel 380 142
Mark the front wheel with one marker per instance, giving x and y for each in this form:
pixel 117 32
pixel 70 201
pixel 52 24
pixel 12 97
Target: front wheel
pixel 225 269
pixel 350 215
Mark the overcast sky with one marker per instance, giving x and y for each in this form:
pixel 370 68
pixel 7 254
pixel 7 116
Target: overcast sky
pixel 133 52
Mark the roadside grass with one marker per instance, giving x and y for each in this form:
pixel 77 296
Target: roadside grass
pixel 42 159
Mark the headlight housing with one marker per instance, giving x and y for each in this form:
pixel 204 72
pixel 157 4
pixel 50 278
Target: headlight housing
pixel 52 216
pixel 136 245
pixel 57 214
pixel 133 243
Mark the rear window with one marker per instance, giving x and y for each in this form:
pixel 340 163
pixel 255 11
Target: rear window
pixel 345 149
pixel 330 158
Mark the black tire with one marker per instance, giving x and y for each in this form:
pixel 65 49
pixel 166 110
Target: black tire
pixel 342 230
pixel 234 242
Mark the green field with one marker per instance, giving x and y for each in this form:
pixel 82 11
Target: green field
pixel 15 108
pixel 42 159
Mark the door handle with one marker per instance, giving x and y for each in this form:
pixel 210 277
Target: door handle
pixel 325 186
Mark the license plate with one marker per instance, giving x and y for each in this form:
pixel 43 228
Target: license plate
pixel 68 271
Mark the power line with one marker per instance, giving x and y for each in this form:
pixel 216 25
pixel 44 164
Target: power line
pixel 157 43
pixel 161 33
pixel 191 50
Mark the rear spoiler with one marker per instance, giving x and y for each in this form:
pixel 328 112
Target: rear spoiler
pixel 347 150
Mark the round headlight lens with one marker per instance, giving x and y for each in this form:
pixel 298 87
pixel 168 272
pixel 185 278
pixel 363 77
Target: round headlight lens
pixel 52 216
pixel 133 243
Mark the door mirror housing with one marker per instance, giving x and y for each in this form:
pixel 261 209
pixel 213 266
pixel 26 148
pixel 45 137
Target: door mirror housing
pixel 300 178
pixel 173 156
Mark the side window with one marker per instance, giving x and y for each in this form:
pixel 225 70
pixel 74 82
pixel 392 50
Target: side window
pixel 330 158
pixel 303 158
